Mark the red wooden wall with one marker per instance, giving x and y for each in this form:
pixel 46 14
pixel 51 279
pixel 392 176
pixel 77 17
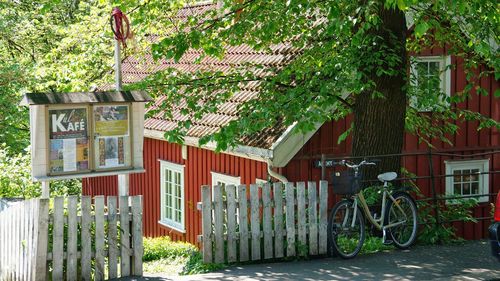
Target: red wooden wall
pixel 199 164
pixel 467 141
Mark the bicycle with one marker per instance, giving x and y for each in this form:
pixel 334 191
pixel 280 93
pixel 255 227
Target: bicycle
pixel 346 224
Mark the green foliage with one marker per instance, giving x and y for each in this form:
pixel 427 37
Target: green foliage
pixel 161 254
pixel 443 231
pixel 16 181
pixel 164 247
pixel 341 47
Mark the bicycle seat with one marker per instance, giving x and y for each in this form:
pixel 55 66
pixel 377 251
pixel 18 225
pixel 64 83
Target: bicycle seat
pixel 389 176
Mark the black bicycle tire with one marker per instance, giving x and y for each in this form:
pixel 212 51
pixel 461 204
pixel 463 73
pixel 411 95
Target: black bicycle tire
pixel 333 247
pixel 414 209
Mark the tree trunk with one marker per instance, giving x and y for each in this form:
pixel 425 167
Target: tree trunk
pixel 379 121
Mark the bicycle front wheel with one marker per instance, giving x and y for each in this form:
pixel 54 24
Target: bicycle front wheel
pixel 346 229
pixel 402 213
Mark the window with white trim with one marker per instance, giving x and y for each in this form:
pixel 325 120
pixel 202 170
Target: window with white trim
pixel 467 178
pixel 223 180
pixel 431 82
pixel 172 195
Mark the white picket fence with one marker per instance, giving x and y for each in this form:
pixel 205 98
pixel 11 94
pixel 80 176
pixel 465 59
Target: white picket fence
pixel 68 241
pixel 263 226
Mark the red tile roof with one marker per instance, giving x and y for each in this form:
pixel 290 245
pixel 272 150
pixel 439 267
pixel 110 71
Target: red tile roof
pixel 280 55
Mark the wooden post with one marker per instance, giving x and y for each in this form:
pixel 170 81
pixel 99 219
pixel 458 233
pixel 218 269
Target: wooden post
pixel 255 221
pixel 218 224
pixel 123 184
pixel 231 222
pixel 99 238
pixel 267 223
pixel 137 235
pixel 323 216
pixel 58 239
pixel 243 222
pixel 112 238
pixel 206 214
pixel 278 220
pixel 290 219
pixel 41 237
pixel 301 216
pixel 313 218
pixel 86 239
pixel 45 190
pixel 71 266
pixel 124 237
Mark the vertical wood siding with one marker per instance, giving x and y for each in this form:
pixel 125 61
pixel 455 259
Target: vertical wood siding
pixel 466 141
pixel 199 164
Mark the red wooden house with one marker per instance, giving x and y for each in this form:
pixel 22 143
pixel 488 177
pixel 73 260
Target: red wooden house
pixel 175 173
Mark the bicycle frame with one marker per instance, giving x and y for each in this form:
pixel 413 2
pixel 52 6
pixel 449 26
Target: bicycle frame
pixel 378 223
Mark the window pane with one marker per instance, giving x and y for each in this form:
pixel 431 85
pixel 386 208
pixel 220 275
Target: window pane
pixel 466 189
pixel 475 175
pixel 457 189
pixel 475 188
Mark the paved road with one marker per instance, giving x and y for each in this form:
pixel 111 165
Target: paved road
pixel 470 261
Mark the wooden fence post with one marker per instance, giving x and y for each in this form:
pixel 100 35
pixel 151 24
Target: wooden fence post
pixel 206 209
pixel 278 220
pixel 267 223
pixel 137 234
pixel 112 238
pixel 41 237
pixel 58 239
pixel 99 237
pixel 231 222
pixel 124 237
pixel 290 219
pixel 86 239
pixel 301 217
pixel 71 266
pixel 218 224
pixel 243 222
pixel 323 217
pixel 255 221
pixel 313 218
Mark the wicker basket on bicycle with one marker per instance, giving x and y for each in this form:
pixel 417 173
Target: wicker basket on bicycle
pixel 346 183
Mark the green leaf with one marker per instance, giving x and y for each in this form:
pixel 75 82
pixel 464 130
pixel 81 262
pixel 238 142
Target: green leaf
pixel 421 28
pixel 497 93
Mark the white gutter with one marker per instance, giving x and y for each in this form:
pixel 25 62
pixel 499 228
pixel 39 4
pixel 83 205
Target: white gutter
pixel 273 174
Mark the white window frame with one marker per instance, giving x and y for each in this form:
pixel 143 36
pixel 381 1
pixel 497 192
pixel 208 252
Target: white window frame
pixel 165 165
pixel 483 167
pixel 444 76
pixel 227 179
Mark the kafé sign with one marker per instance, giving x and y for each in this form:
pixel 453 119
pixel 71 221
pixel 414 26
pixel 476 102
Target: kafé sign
pixel 69 141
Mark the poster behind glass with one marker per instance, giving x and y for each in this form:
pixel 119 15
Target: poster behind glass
pixel 112 132
pixel 68 138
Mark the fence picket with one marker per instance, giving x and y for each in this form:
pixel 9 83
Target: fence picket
pixel 218 224
pixel 71 266
pixel 86 239
pixel 290 219
pixel 137 234
pixel 243 220
pixel 124 237
pixel 206 227
pixel 58 239
pixel 278 220
pixel 231 223
pixel 112 238
pixel 267 225
pixel 41 234
pixel 301 217
pixel 255 221
pixel 323 216
pixel 313 218
pixel 99 237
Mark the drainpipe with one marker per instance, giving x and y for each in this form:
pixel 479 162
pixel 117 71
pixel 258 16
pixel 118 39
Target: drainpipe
pixel 273 174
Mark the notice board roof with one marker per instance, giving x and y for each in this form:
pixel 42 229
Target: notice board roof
pixel 85 97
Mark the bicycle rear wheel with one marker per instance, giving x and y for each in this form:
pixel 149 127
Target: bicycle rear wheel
pixel 345 236
pixel 403 212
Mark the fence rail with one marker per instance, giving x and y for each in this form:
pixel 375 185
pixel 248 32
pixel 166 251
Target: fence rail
pixel 271 222
pixel 71 240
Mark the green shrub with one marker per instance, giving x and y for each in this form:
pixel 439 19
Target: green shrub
pixel 163 247
pixel 195 265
